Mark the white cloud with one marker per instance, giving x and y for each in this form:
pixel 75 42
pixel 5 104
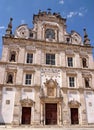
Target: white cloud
pixel 61 2
pixel 83 9
pixel 81 12
pixel 71 14
pixel 2 27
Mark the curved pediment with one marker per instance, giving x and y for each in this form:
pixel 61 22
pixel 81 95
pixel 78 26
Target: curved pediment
pixel 76 38
pixel 26 102
pixel 22 31
pixel 74 103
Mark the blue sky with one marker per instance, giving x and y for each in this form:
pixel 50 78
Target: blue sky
pixel 79 14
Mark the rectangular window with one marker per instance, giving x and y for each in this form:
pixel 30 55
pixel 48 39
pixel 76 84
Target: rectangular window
pixel 70 61
pixel 87 84
pixel 28 79
pixel 29 58
pixel 50 59
pixel 71 82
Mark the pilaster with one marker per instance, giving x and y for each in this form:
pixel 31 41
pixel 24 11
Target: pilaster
pixel 17 111
pixel 83 116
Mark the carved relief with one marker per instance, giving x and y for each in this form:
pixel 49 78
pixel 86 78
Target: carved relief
pixel 51 87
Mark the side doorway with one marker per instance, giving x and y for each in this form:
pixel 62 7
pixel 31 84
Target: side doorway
pixel 26 115
pixel 74 116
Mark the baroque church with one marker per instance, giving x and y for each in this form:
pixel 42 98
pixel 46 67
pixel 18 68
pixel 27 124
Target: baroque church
pixel 46 74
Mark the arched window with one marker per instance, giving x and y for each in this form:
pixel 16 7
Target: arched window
pixel 84 62
pixel 10 78
pixel 13 56
pixel 50 34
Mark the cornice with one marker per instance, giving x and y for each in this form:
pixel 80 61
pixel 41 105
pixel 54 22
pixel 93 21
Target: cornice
pixel 19 86
pixel 24 42
pixel 79 89
pixel 35 66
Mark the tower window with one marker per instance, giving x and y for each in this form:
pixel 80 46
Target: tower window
pixel 12 56
pixel 31 35
pixel 68 39
pixel 50 34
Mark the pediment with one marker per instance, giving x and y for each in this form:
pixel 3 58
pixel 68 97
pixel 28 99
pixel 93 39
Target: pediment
pixel 26 102
pixel 76 37
pixel 74 103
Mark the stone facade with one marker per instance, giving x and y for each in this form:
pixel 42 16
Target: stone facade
pixel 47 74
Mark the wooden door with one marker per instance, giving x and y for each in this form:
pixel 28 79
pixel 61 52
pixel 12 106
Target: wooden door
pixel 50 114
pixel 74 116
pixel 26 115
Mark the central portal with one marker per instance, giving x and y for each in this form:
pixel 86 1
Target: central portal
pixel 51 114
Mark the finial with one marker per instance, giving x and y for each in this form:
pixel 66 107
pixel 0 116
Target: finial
pixel 10 23
pixel 9 29
pixel 86 39
pixel 85 33
pixel 39 11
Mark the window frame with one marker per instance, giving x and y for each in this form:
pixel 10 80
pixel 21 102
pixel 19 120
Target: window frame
pixel 27 80
pixel 50 34
pixel 72 81
pixel 29 60
pixel 70 62
pixel 51 60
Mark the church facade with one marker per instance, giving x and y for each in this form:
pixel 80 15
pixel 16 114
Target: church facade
pixel 46 74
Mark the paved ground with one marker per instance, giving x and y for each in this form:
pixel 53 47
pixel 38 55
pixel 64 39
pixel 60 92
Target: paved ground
pixel 47 128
